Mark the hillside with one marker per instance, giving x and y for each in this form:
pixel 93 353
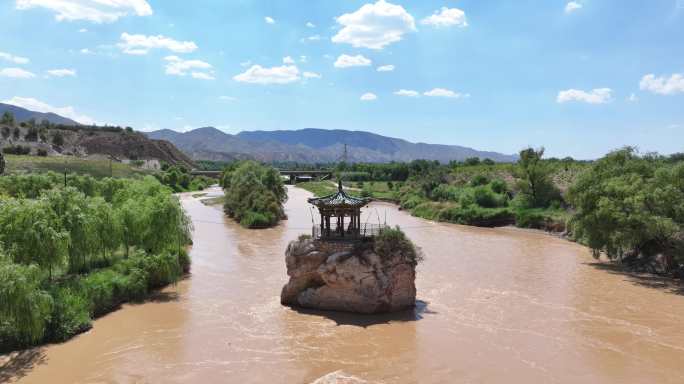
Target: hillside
pixel 313 145
pixel 89 143
pixel 23 115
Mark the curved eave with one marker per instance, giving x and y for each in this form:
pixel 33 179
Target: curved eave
pixel 339 199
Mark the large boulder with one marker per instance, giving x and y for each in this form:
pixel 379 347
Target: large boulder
pixel 349 277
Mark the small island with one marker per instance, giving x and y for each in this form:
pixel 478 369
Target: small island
pixel 355 267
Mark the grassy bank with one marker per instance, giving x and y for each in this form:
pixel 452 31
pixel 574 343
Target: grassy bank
pixel 93 167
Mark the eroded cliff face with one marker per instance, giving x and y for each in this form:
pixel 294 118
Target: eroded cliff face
pixel 346 277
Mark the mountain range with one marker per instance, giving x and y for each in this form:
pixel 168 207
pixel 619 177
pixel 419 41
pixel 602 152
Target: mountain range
pixel 22 115
pixel 313 145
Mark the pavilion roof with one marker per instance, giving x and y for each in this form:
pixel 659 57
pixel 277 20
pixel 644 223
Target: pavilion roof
pixel 338 199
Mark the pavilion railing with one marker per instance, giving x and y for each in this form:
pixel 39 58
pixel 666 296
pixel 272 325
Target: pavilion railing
pixel 366 231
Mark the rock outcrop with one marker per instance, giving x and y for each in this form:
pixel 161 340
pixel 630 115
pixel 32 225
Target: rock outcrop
pixel 349 277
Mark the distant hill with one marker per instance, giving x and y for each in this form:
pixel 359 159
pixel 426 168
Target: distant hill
pixel 312 145
pixel 23 115
pixel 67 137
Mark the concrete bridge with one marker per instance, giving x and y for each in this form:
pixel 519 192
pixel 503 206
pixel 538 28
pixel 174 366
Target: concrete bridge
pixel 294 175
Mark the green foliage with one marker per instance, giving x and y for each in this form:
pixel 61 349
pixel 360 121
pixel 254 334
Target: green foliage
pixel 17 150
pixel 7 118
pixel 23 304
pixel 56 236
pixel 629 203
pixel 535 178
pixel 31 134
pixel 498 186
pixel 70 315
pixel 478 180
pixel 526 218
pixel 254 194
pixel 180 179
pixel 471 161
pixel 58 139
pixel 392 242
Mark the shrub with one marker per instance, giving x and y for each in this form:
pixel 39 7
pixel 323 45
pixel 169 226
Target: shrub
pixel 484 197
pixel 70 314
pixel 58 139
pixel 105 290
pixel 17 150
pixel 411 201
pixel 253 219
pixel 529 219
pixel 498 186
pixel 41 152
pixel 31 134
pixel 391 242
pixel 478 180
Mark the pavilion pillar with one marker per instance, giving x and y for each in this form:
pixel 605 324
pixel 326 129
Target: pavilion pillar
pixel 342 226
pixel 322 223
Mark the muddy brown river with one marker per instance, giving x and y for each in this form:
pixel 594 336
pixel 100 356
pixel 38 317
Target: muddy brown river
pixel 495 306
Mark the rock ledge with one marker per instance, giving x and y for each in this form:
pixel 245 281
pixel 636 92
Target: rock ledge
pixel 349 277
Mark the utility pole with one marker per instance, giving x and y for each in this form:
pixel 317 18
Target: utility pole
pixel 344 155
pixel 65 171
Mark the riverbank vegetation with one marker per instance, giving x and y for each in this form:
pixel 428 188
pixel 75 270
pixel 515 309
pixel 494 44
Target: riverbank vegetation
pixel 631 208
pixel 70 253
pixel 254 194
pixel 626 206
pixel 180 179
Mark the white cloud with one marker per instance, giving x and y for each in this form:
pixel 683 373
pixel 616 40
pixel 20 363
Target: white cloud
pixel 82 30
pixel 269 20
pixel 632 98
pixel 407 93
pixel 595 96
pixel 303 59
pixel 663 85
pixel 288 60
pixel 257 74
pixel 86 51
pixel 386 68
pixel 246 63
pixel 61 72
pixel 572 7
pixel 312 38
pixel 16 73
pixel 374 26
pixel 442 92
pixel 227 98
pixel 96 11
pixel 13 59
pixel 141 44
pixel 368 97
pixel 346 61
pixel 202 76
pixel 312 75
pixel 180 67
pixel 446 17
pixel 310 25
pixel 39 106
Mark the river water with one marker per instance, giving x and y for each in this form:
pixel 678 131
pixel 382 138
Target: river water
pixel 495 305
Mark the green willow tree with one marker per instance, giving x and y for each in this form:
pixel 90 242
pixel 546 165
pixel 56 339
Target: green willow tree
pixel 33 233
pixel 24 306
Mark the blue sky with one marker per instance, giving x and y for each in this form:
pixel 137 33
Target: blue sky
pixel 578 77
